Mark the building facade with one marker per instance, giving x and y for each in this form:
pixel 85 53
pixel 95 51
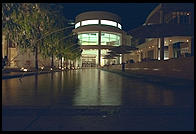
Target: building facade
pixel 98 31
pixel 175 22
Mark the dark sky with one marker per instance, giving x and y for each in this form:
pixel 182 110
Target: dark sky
pixel 132 14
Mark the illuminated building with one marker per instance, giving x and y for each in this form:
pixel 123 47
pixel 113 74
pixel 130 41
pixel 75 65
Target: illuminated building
pixel 98 31
pixel 168 32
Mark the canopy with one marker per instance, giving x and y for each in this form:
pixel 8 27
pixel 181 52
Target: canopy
pixel 162 30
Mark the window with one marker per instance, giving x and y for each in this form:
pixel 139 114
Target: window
pixel 119 26
pixel 88 38
pixel 110 39
pixel 77 24
pixel 89 22
pixel 109 22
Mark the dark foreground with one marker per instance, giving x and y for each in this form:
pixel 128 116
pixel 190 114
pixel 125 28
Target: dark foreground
pixel 92 99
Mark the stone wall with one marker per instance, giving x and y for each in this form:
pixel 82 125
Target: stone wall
pixel 179 68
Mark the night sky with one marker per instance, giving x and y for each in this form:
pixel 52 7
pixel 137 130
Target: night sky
pixel 132 14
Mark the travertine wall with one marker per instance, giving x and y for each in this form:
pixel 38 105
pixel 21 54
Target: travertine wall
pixel 179 68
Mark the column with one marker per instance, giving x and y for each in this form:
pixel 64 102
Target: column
pixel 192 46
pixel 170 50
pixel 99 50
pixel 162 48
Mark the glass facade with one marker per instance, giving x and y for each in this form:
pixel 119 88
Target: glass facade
pixel 89 22
pixel 109 22
pixel 77 25
pixel 90 57
pixel 96 22
pixel 119 26
pixel 110 39
pixel 88 38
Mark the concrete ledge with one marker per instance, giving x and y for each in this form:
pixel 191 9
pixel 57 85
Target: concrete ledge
pixel 9 76
pixel 160 80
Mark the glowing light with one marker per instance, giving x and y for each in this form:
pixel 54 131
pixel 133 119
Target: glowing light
pixel 42 68
pixel 59 67
pixel 89 22
pixel 22 69
pixel 77 25
pixel 155 69
pixel 187 14
pixel 187 40
pixel 50 68
pixel 25 70
pixel 170 40
pixel 109 22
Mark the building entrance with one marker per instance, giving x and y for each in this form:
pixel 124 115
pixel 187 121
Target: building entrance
pixel 88 61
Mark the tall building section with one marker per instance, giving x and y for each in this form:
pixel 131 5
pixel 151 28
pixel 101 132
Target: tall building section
pixel 168 33
pixel 98 31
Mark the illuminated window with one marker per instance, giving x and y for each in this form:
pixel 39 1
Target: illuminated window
pixel 90 56
pixel 77 24
pixel 110 39
pixel 119 26
pixel 109 22
pixel 89 22
pixel 88 38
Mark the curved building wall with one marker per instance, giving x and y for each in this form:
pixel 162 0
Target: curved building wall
pixel 98 31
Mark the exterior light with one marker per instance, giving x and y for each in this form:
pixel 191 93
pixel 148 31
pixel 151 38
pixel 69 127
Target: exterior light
pixel 22 69
pixel 187 14
pixel 25 70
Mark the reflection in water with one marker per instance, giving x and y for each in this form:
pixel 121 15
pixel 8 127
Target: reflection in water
pixel 98 88
pixel 90 87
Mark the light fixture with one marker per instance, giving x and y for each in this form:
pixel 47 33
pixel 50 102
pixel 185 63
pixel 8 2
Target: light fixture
pixel 187 14
pixel 25 70
pixel 22 69
pixel 170 40
pixel 187 40
pixel 50 68
pixel 42 68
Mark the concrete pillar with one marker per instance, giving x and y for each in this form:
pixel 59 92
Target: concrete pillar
pixel 170 50
pixel 162 48
pixel 99 50
pixel 161 17
pixel 192 45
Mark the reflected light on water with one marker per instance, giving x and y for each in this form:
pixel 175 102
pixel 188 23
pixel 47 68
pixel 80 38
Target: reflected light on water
pixel 90 87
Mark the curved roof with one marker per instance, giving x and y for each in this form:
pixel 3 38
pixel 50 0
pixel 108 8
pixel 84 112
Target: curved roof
pixel 97 15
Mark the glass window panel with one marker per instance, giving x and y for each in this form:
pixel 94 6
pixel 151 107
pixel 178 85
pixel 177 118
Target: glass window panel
pixel 119 26
pixel 88 38
pixel 77 24
pixel 110 39
pixel 109 22
pixel 90 22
